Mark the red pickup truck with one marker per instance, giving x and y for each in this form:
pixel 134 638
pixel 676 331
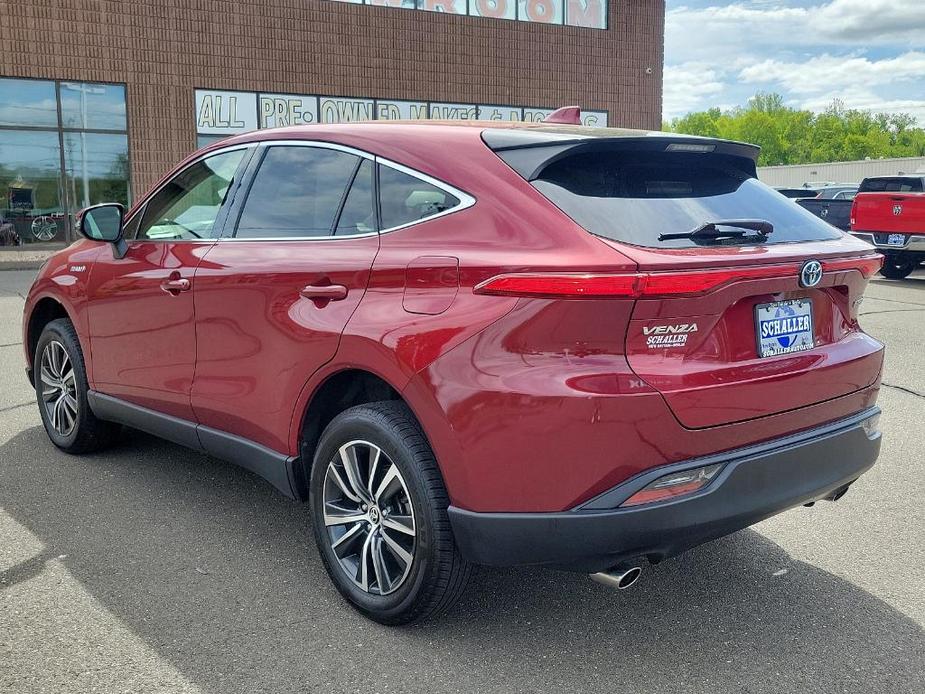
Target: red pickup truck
pixel 889 212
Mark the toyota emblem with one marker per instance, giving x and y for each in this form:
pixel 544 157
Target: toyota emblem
pixel 810 273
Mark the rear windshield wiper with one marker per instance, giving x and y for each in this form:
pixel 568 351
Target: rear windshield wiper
pixel 732 228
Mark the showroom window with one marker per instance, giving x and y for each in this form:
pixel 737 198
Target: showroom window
pixel 63 146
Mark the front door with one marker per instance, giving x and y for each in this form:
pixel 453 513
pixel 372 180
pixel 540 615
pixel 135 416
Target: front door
pixel 142 332
pixel 272 301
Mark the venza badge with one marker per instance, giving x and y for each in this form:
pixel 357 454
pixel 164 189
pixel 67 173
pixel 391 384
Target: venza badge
pixel 664 336
pixel 810 273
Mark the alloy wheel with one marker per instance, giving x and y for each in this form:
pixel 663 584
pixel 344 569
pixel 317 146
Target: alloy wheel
pixel 44 228
pixel 59 388
pixel 369 517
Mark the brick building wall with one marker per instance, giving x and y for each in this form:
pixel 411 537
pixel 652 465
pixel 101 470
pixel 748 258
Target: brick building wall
pixel 164 49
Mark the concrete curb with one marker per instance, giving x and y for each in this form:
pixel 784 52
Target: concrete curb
pixel 21 265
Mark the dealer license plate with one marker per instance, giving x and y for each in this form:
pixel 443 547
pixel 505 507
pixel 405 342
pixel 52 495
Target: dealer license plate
pixel 784 327
pixel 896 240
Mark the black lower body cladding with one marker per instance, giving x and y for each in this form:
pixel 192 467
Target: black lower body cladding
pixel 755 483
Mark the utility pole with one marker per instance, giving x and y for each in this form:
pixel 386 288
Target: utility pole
pixel 84 89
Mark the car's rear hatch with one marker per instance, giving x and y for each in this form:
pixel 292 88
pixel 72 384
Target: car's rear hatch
pixel 726 328
pixel 704 352
pixel 889 213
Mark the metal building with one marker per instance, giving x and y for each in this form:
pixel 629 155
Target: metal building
pixel 797 175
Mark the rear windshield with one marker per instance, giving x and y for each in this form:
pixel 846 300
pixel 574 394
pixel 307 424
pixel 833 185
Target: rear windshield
pixel 634 197
pixel 892 185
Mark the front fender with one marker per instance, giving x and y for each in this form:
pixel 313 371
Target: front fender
pixel 64 279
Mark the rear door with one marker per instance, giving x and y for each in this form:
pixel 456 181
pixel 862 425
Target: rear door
pixel 729 325
pixel 273 298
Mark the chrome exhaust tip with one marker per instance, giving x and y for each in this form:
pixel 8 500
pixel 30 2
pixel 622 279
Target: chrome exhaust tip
pixel 620 577
pixel 838 493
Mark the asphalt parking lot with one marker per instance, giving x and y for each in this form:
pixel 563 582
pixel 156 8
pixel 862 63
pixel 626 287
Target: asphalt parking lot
pixel 152 568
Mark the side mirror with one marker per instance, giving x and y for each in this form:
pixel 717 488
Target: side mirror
pixel 104 223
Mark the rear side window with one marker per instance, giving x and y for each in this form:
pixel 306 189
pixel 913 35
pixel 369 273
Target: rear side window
pixel 404 199
pixel 296 193
pixel 634 197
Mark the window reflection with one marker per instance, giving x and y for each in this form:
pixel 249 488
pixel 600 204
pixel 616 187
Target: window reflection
pixel 30 207
pixel 28 102
pixel 41 187
pixel 86 105
pixel 296 192
pixel 96 167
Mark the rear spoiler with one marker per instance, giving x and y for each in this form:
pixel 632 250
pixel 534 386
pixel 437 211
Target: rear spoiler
pixel 529 152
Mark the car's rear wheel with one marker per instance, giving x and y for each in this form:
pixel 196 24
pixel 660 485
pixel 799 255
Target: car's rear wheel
pixel 896 269
pixel 379 508
pixel 61 391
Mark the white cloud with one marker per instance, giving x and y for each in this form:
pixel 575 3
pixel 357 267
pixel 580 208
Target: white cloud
pixel 726 33
pixel 869 53
pixel 883 21
pixel 741 26
pixel 826 72
pixel 689 83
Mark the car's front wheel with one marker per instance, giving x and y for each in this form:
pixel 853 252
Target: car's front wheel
pixel 379 509
pixel 61 391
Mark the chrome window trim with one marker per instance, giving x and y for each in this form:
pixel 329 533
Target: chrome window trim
pixel 297 238
pixel 465 200
pixel 320 144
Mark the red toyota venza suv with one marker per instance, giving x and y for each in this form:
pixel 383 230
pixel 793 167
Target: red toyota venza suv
pixel 473 343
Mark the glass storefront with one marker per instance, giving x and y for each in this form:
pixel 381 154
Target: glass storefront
pixel 63 146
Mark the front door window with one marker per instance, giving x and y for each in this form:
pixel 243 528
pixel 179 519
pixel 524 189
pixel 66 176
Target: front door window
pixel 186 208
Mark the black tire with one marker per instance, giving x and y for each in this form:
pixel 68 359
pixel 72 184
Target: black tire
pixel 438 573
pixel 895 269
pixel 87 433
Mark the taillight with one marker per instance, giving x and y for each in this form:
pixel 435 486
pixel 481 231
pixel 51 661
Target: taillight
pixel 694 282
pixel 642 285
pixel 674 485
pixel 868 265
pixel 560 285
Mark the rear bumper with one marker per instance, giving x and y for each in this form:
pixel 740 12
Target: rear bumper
pixel 755 483
pixel 915 243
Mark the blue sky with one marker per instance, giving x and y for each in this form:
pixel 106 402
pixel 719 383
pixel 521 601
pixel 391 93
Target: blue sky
pixel 868 53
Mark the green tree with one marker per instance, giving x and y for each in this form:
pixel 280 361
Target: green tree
pixel 794 136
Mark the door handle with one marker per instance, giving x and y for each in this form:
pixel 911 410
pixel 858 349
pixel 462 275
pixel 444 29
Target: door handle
pixel 175 285
pixel 324 292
